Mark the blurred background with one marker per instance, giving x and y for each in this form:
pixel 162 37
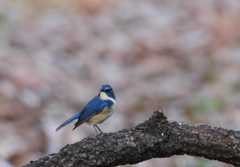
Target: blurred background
pixel 183 56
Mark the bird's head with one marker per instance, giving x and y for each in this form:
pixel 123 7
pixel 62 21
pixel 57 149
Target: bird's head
pixel 106 92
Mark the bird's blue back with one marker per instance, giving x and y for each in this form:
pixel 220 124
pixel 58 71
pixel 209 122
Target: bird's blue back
pixel 93 107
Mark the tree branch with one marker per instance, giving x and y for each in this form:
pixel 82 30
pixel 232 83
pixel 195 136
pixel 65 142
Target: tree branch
pixel 154 138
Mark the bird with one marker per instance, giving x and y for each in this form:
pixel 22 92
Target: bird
pixel 96 111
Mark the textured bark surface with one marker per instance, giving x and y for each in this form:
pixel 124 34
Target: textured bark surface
pixel 156 137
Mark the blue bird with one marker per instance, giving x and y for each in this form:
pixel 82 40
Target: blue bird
pixel 96 111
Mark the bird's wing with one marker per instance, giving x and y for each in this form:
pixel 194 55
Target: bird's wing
pixel 93 107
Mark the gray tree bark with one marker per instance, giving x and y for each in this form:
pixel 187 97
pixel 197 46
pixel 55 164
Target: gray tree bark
pixel 154 138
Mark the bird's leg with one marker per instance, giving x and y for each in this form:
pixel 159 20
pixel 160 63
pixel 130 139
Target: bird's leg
pixel 97 129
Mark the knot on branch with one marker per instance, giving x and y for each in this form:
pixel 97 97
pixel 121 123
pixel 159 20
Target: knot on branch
pixel 158 122
pixel 158 116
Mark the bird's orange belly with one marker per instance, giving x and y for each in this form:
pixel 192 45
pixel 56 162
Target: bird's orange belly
pixel 100 117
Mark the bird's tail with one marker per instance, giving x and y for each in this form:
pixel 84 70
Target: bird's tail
pixel 68 121
pixel 78 123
